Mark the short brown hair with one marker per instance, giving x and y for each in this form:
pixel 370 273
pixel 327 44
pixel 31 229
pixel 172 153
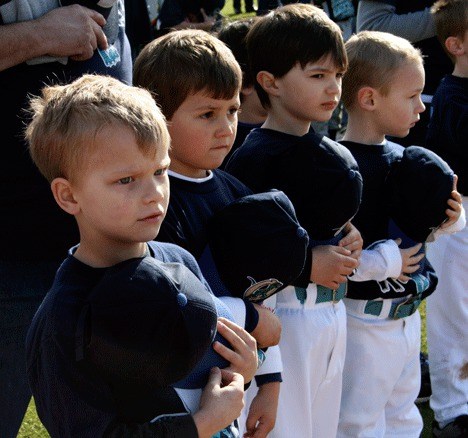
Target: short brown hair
pixel 451 19
pixel 296 33
pixel 66 119
pixel 185 62
pixel 373 58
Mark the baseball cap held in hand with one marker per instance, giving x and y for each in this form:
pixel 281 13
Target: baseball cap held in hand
pixel 146 323
pixel 258 245
pixel 417 189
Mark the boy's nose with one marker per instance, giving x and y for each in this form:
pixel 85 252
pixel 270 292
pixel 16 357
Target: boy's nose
pixel 334 87
pixel 421 107
pixel 155 190
pixel 226 129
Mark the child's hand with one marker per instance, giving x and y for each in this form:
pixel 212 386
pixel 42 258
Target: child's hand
pixel 268 330
pixel 409 259
pixel 331 265
pixel 262 413
pixel 352 241
pixel 221 402
pixel 243 355
pixel 455 206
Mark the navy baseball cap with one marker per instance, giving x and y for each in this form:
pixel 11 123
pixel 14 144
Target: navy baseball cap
pixel 258 245
pixel 333 192
pixel 146 323
pixel 417 188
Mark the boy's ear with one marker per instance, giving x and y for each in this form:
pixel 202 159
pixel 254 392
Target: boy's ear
pixel 63 194
pixel 267 82
pixel 454 46
pixel 366 98
pixel 247 91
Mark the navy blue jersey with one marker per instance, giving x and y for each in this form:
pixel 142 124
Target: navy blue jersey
pixel 374 222
pixel 319 176
pixel 68 390
pixel 448 129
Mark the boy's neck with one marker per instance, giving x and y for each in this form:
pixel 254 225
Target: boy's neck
pixel 361 129
pixel 461 67
pixel 104 257
pixel 280 121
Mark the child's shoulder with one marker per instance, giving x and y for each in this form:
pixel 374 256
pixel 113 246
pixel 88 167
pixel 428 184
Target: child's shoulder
pixel 170 253
pixel 452 90
pixel 226 179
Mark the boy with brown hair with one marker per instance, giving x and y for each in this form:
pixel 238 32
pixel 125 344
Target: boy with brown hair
pixel 196 81
pixel 382 94
pixel 296 53
pixel 103 146
pixel 447 311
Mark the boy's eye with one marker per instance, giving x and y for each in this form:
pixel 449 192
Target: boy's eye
pixel 340 75
pixel 126 180
pixel 318 76
pixel 160 172
pixel 207 115
pixel 233 110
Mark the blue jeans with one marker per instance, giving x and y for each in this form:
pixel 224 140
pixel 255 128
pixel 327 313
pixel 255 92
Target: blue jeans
pixel 23 285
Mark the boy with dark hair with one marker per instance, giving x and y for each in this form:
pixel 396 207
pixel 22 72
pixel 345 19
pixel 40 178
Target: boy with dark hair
pixel 196 81
pixel 447 310
pixel 251 114
pixel 298 58
pixel 103 146
pixel 405 198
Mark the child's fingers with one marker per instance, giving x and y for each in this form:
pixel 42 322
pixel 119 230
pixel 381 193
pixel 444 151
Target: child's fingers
pixel 225 352
pixel 410 269
pixel 455 182
pixel 456 196
pixel 416 258
pixel 412 250
pixel 404 278
pixel 214 378
pixel 351 246
pixel 455 206
pixel 230 378
pixel 235 334
pixel 353 240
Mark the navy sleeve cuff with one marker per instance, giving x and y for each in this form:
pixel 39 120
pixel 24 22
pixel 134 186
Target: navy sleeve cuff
pixel 268 378
pixel 251 316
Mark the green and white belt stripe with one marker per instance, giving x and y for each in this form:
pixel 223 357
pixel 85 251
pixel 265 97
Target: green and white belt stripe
pixel 397 310
pixel 324 294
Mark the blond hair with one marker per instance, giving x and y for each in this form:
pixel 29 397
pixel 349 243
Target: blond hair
pixel 185 62
pixel 66 119
pixel 373 59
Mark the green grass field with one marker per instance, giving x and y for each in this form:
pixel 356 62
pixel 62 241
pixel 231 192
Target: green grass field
pixel 32 427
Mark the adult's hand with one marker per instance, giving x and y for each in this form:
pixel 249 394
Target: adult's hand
pixel 73 31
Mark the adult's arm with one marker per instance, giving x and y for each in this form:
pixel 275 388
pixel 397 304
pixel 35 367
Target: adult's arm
pixel 73 31
pixel 382 16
